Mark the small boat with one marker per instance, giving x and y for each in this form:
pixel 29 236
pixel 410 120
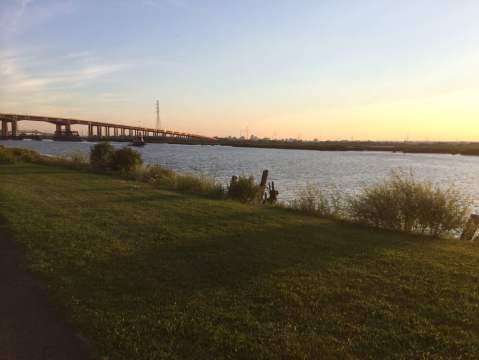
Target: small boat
pixel 139 141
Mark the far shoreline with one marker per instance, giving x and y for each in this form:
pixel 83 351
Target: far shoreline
pixel 451 148
pixel 439 148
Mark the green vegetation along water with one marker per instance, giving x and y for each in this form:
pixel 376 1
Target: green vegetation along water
pixel 146 273
pixel 293 170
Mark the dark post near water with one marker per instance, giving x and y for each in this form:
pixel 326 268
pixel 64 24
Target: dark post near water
pixel 471 227
pixel 264 179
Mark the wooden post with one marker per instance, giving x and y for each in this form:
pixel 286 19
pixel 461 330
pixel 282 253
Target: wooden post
pixel 470 229
pixel 264 179
pixel 262 185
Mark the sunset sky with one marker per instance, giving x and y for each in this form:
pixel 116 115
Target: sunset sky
pixel 331 69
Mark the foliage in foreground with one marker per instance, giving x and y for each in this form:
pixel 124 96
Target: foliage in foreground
pixel 126 160
pixel 402 202
pixel 101 156
pixel 145 273
pixel 245 190
pixel 312 200
pixel 190 184
pixel 72 160
pixel 6 157
pixel 104 157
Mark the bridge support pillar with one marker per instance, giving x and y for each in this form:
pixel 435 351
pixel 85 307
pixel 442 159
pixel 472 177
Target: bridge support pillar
pixel 90 130
pixel 4 128
pixel 14 128
pixel 58 130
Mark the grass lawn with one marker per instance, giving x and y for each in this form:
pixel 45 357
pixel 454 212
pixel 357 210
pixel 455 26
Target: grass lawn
pixel 145 273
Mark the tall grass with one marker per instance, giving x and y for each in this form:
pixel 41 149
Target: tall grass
pixel 191 184
pixel 312 200
pixel 402 202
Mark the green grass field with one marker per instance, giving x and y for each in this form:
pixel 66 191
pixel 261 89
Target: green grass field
pixel 145 273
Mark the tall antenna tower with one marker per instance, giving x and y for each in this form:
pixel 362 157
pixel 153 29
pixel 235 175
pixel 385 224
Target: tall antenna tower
pixel 158 121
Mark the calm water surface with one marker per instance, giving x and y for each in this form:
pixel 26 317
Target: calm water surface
pixel 293 169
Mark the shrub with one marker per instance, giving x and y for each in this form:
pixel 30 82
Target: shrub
pixel 403 203
pixel 126 160
pixel 101 156
pixel 314 201
pixel 245 189
pixel 25 155
pixel 6 156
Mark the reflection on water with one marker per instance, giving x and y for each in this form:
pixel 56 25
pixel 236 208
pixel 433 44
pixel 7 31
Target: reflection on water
pixel 293 169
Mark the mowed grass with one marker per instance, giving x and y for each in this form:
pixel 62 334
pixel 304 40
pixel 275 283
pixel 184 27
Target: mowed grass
pixel 150 274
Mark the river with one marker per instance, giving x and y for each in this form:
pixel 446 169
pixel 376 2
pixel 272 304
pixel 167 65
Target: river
pixel 291 170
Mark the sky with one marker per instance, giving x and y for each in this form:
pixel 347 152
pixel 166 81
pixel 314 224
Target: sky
pixel 309 69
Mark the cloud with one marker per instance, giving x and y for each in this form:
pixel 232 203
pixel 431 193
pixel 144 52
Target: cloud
pixel 23 81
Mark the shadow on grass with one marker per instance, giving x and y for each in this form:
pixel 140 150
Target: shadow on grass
pixel 234 259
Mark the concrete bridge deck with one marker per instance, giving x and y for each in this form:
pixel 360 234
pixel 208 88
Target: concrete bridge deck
pixel 96 130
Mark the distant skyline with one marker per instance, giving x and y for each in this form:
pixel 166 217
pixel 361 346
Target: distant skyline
pixel 332 69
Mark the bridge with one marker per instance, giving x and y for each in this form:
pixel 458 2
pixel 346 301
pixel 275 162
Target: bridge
pixel 96 130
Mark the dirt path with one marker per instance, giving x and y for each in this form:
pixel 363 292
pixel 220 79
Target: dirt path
pixel 30 328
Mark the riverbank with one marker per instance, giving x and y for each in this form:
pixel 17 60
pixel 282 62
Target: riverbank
pixel 147 273
pixel 292 170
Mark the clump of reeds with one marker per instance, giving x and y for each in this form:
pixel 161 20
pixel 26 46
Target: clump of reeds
pixel 312 200
pixel 186 183
pixel 402 202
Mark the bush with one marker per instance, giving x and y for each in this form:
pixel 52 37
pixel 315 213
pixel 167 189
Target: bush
pixel 245 189
pixel 101 156
pixel 403 203
pixel 6 156
pixel 25 155
pixel 126 160
pixel 314 201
